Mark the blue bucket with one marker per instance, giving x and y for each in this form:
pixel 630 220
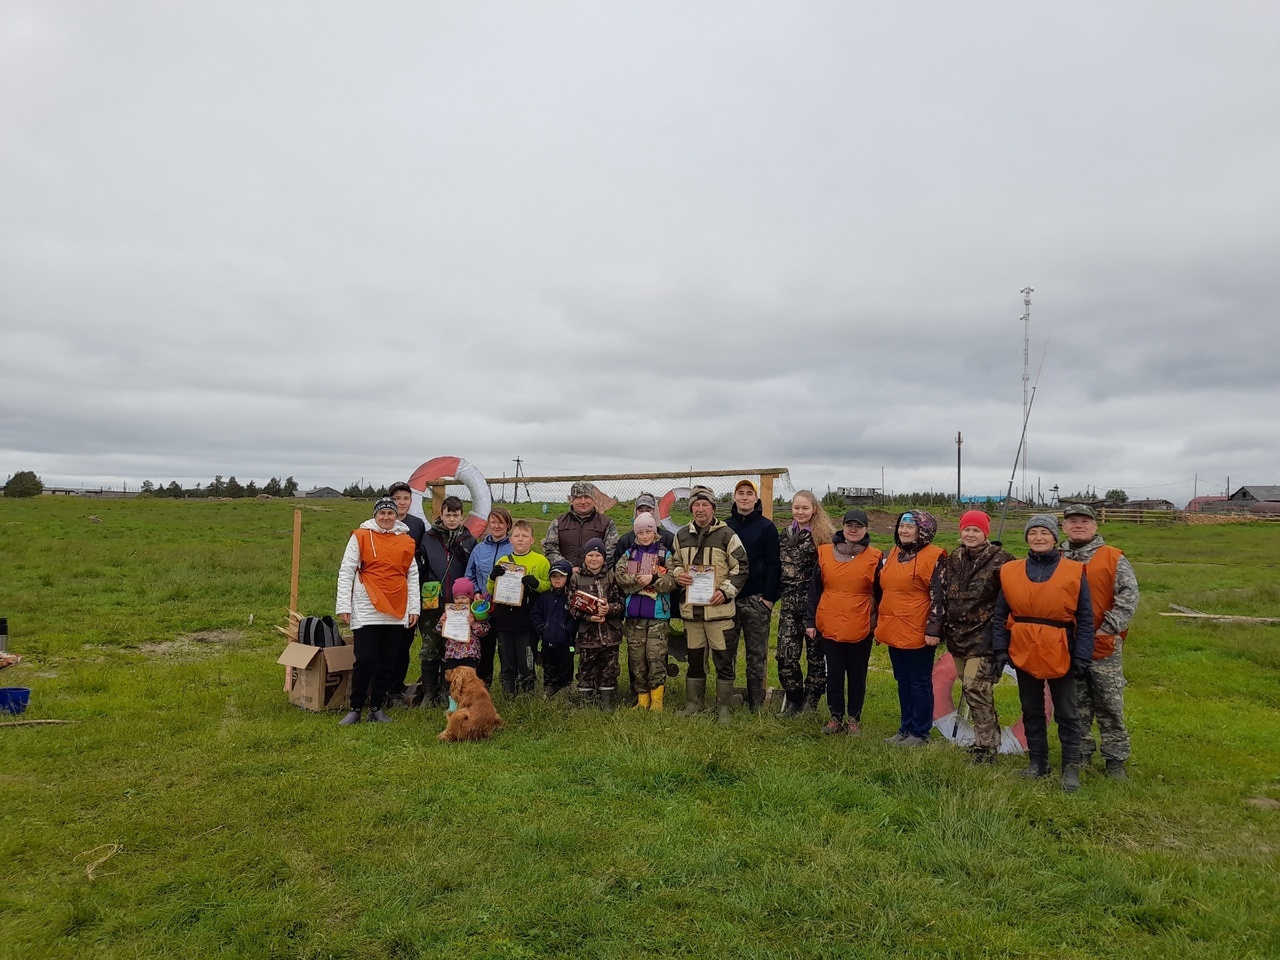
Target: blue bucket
pixel 14 699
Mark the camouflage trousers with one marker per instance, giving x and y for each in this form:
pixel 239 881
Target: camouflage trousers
pixel 598 668
pixel 1100 696
pixel 978 692
pixel 792 643
pixel 646 653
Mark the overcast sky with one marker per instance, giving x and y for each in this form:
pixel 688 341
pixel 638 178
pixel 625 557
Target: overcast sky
pixel 334 240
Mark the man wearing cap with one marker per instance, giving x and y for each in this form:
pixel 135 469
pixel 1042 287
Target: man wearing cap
pixel 962 603
pixel 754 603
pixel 1044 624
pixel 569 532
pixel 645 503
pixel 1114 590
pixel 708 542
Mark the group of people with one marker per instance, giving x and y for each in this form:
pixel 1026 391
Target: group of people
pixel 1059 617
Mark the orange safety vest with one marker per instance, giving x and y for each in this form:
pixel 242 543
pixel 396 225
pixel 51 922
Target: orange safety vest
pixel 1039 616
pixel 1101 573
pixel 844 610
pixel 904 600
pixel 384 568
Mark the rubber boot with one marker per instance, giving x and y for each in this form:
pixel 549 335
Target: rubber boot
pixel 755 695
pixel 379 717
pixel 724 700
pixel 793 705
pixel 607 697
pixel 430 682
pixel 642 701
pixel 1038 768
pixel 655 699
pixel 350 718
pixel 695 694
pixel 1071 779
pixel 1116 770
pixel 509 688
pixel 586 697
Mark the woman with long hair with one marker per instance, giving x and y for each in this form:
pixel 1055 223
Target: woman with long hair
pixel 810 528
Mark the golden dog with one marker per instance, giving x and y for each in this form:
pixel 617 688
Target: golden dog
pixel 475 718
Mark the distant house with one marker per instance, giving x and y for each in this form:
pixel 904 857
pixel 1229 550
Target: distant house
pixel 1256 494
pixel 1205 504
pixel 1148 505
pixel 857 496
pixel 322 493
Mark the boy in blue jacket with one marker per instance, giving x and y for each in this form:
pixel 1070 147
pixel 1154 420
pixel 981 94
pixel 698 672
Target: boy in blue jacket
pixel 556 628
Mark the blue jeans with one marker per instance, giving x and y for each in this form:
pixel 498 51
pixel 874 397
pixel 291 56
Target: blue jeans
pixel 913 669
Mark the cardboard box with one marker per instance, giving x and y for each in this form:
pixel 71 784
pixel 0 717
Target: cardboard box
pixel 319 677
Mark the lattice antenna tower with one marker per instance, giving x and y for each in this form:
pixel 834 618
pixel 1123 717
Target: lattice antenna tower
pixel 1026 376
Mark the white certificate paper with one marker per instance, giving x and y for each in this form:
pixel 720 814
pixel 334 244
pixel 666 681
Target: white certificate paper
pixel 456 626
pixel 703 587
pixel 508 589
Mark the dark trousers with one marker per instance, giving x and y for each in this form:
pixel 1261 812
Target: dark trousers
pixel 721 659
pixel 377 647
pixel 751 623
pixel 1062 690
pixel 517 662
pixel 913 669
pixel 488 646
pixel 846 663
pixel 557 669
pixel 598 668
pixel 400 670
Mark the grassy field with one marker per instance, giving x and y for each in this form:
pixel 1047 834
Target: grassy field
pixel 248 828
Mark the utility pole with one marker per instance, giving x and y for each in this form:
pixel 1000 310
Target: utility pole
pixel 1026 375
pixel 515 483
pixel 959 441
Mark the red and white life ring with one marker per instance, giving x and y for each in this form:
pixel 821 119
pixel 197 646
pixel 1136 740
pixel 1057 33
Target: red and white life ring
pixel 946 711
pixel 453 470
pixel 666 503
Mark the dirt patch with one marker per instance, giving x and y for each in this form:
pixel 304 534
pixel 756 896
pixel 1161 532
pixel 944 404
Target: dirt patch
pixel 1263 803
pixel 192 644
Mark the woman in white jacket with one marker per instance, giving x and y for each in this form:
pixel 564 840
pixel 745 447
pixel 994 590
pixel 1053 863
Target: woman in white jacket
pixel 378 598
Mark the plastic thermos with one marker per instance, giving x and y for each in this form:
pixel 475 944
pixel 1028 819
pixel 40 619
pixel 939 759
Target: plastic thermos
pixel 4 635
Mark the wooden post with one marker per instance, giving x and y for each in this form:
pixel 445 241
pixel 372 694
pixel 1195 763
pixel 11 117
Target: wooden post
pixel 297 559
pixel 437 500
pixel 766 494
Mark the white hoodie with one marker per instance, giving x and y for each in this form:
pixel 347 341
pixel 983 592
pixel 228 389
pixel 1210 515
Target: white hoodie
pixel 352 597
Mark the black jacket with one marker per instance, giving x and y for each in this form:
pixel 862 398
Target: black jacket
pixel 444 557
pixel 551 619
pixel 759 538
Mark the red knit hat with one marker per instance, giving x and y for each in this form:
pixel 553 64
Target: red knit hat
pixel 976 518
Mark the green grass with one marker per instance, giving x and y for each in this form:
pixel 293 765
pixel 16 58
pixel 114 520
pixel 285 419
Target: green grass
pixel 249 828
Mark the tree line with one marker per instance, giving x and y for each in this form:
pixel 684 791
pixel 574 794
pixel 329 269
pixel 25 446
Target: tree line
pixel 230 488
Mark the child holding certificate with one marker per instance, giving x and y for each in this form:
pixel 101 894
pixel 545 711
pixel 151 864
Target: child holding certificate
pixel 518 578
pixel 643 575
pixel 596 600
pixel 461 652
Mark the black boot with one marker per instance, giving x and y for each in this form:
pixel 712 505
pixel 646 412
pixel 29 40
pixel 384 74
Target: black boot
pixel 586 696
pixel 430 683
pixel 1116 771
pixel 793 705
pixel 607 698
pixel 695 694
pixel 509 688
pixel 755 695
pixel 1037 769
pixel 724 700
pixel 1070 778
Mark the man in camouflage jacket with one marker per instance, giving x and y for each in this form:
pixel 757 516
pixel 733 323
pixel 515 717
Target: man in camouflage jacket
pixel 1100 692
pixel 963 599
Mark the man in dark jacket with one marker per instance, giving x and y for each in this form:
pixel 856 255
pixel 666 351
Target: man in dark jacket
pixel 754 603
pixel 403 496
pixel 568 534
pixel 442 558
pixel 645 503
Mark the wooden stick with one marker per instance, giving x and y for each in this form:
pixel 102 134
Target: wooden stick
pixel 35 723
pixel 297 559
pixel 1223 618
